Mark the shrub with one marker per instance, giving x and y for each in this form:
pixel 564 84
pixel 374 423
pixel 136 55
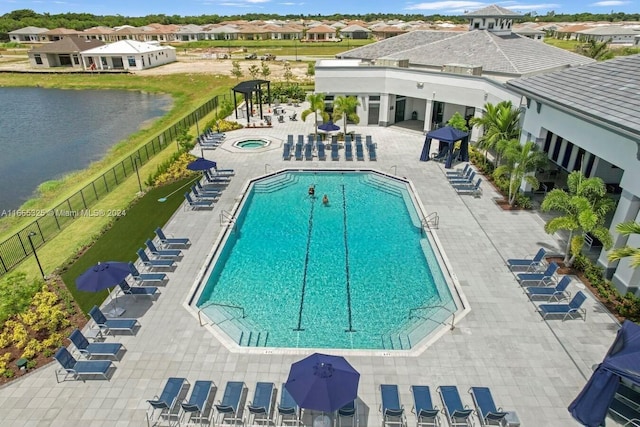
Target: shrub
pixel 173 169
pixel 16 294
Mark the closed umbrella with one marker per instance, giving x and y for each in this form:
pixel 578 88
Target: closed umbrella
pixel 329 127
pixel 322 382
pixel 104 275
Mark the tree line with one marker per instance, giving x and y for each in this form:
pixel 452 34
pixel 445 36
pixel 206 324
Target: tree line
pixel 81 21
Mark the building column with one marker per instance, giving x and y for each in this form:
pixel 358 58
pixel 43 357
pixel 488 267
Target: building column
pixel 428 112
pixel 385 100
pixel 622 275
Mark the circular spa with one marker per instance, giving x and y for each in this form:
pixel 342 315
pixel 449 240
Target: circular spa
pixel 357 272
pixel 251 144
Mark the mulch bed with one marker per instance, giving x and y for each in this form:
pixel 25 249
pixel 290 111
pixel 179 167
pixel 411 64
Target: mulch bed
pixel 78 320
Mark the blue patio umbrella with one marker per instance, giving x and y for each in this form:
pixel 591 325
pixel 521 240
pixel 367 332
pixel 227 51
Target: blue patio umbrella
pixel 201 164
pixel 329 127
pixel 322 382
pixel 103 275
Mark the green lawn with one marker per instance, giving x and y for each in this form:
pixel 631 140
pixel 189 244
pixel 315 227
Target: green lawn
pixel 277 47
pixel 569 45
pixel 124 238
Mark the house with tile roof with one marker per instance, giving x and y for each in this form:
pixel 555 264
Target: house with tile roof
pixel 614 34
pixel 58 34
pixel 62 53
pixel 354 32
pixel 588 118
pixel 127 55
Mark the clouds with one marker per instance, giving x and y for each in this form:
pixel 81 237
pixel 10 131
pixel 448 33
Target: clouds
pixel 610 3
pixel 460 7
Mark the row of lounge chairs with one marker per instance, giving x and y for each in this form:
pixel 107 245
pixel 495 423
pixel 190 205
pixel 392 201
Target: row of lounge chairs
pixel 205 193
pixel 317 148
pixel 540 280
pixel 462 180
pixel 427 414
pixel 172 404
pixel 210 140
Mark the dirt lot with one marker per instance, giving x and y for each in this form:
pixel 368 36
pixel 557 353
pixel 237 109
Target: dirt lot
pixel 185 64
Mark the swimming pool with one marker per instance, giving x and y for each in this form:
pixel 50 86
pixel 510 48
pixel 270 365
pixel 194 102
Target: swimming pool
pixel 251 144
pixel 294 272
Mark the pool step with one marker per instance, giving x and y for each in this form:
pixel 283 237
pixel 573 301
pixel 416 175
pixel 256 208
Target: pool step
pixel 276 183
pixel 241 330
pixel 395 189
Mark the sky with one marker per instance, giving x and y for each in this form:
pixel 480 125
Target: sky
pixel 308 7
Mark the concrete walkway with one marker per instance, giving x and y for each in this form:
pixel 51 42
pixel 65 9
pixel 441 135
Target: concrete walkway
pixel 533 367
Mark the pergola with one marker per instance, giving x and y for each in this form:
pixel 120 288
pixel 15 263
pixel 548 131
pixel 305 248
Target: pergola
pixel 248 89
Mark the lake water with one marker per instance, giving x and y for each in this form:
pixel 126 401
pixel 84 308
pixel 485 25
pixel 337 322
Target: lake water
pixel 46 133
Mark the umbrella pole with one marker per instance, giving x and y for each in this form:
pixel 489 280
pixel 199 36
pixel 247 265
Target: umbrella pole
pixel 115 311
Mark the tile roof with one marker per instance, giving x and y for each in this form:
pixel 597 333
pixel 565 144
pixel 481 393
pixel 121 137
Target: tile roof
pixel 126 47
pixel 61 31
pixel 68 45
pixel 513 54
pixel 322 29
pixel 29 30
pixel 354 27
pixel 493 10
pixel 607 91
pixel 616 30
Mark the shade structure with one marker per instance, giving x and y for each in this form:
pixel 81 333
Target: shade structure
pixel 201 164
pixel 622 362
pixel 322 382
pixel 448 135
pixel 329 127
pixel 102 276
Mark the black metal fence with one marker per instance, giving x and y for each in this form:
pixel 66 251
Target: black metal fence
pixel 49 223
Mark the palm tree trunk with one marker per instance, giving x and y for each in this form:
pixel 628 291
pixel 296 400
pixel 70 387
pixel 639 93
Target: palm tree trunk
pixel 567 251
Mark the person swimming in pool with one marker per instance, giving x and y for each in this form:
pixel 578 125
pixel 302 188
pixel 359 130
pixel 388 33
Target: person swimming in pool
pixel 312 190
pixel 325 200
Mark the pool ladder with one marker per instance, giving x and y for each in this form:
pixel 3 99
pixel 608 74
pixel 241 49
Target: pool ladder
pixel 228 219
pixel 451 324
pixel 431 221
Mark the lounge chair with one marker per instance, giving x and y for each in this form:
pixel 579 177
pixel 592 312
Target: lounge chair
pixel 528 263
pixel 442 154
pixel 392 410
pixel 260 407
pixel 286 151
pixel 308 151
pixel 80 369
pixel 458 172
pixel 558 293
pixel 224 172
pixel 210 195
pixel 566 310
pixel 335 155
pixel 545 278
pixel 293 117
pixel 162 253
pixel 288 409
pixel 368 140
pixel 485 407
pixel 280 118
pixel 214 177
pixel 457 415
pixel 322 155
pixel 146 277
pixel 290 139
pixel 473 189
pixel 171 241
pixel 372 152
pixel 199 406
pixel 348 150
pixel 426 413
pixel 359 151
pixel 149 291
pixel 154 263
pixel 99 349
pixel 167 403
pixel 300 140
pixel 464 179
pixel 201 190
pixel 228 408
pixel 350 411
pixel 298 151
pixel 111 325
pixel 197 204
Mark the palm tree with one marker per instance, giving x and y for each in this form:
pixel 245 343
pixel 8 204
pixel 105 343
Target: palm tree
pixel 316 106
pixel 584 208
pixel 521 160
pixel 501 122
pixel 596 50
pixel 627 228
pixel 345 107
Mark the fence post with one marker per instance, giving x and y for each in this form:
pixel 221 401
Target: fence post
pixel 93 184
pixel 84 203
pixel 104 178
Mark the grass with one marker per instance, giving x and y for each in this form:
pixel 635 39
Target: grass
pixel 277 47
pixel 570 45
pixel 121 241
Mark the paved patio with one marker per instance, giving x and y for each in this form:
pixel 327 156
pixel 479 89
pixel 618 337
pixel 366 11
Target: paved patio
pixel 533 367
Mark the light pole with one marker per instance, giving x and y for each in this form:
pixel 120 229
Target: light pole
pixel 35 254
pixel 296 46
pixel 135 165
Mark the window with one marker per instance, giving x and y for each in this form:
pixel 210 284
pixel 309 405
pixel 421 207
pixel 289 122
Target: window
pixel 491 26
pixel 556 149
pixel 103 60
pixel 131 60
pixel 37 58
pixel 374 98
pixel 76 60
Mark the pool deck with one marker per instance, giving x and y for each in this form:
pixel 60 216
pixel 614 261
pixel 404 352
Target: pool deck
pixel 533 367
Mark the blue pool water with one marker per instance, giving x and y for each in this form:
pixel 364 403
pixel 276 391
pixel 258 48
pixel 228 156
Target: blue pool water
pixel 345 275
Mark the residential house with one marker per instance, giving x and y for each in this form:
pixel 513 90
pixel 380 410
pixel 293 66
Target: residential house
pixel 614 34
pixel 321 33
pixel 104 34
pixel 62 53
pixel 28 35
pixel 127 55
pixel 221 32
pixel 58 34
pixel 530 33
pixel 355 32
pixel 381 32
